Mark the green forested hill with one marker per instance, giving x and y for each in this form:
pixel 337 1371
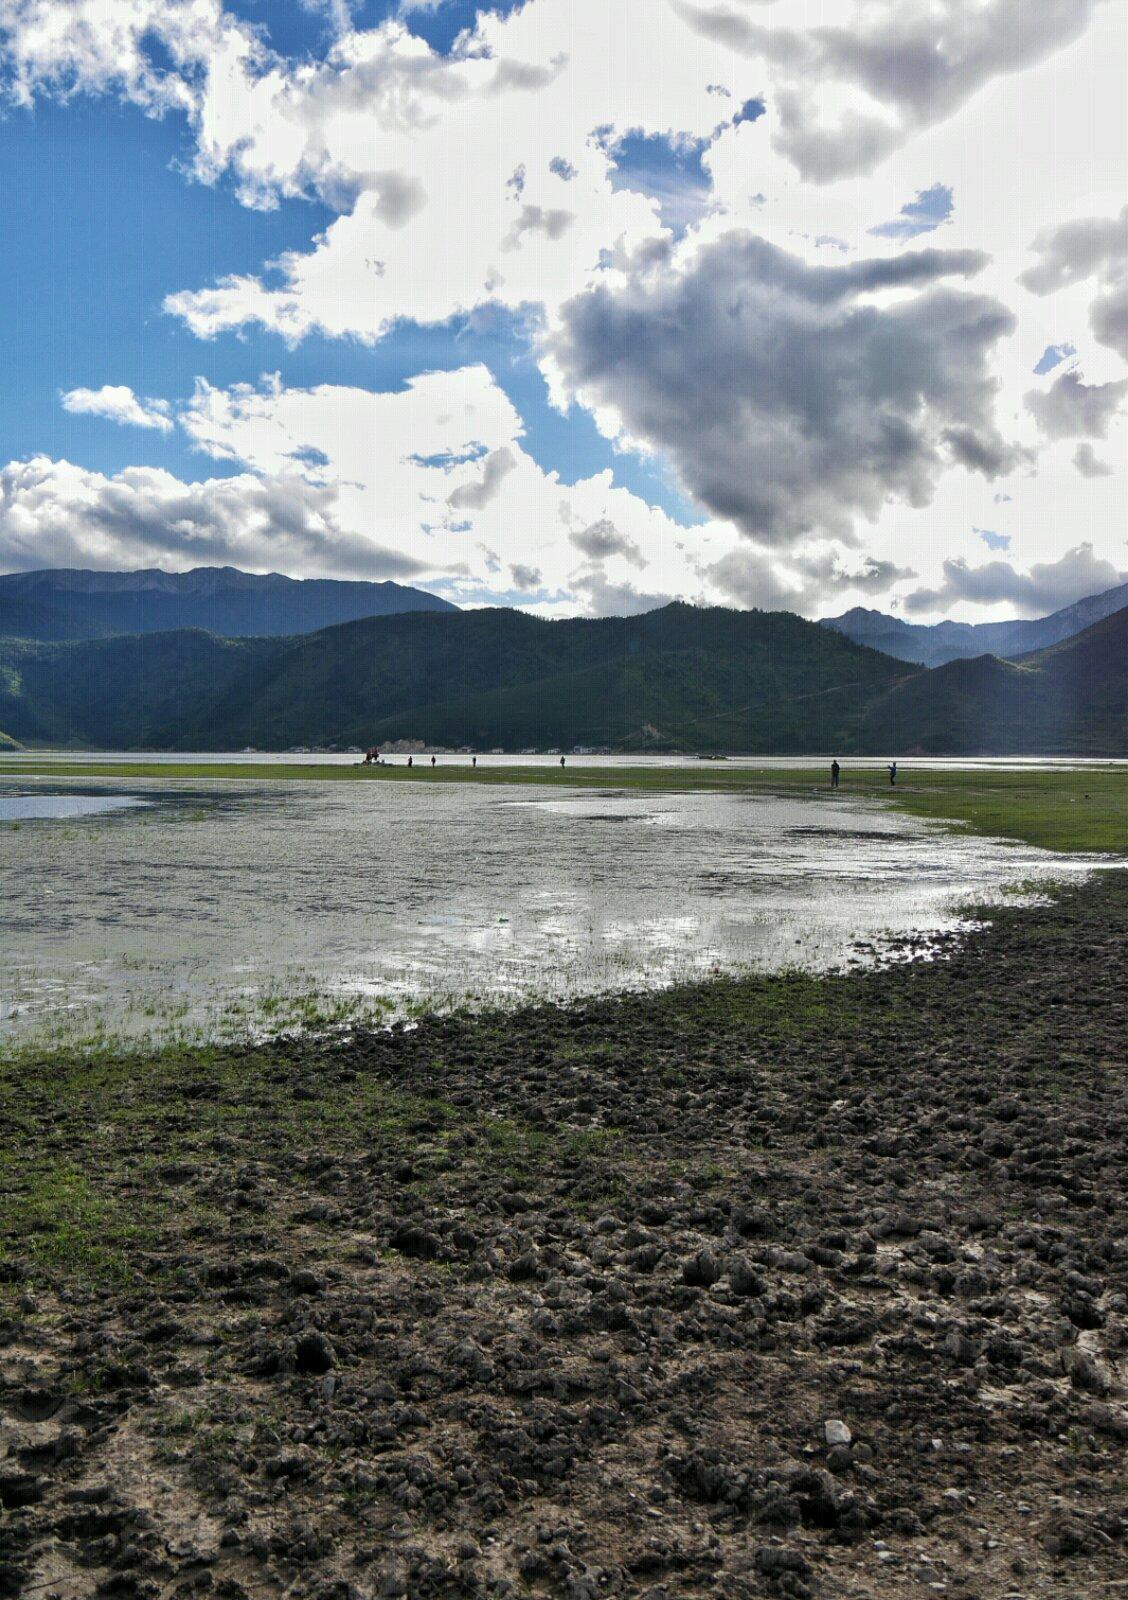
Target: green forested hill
pixel 682 677
pixel 124 693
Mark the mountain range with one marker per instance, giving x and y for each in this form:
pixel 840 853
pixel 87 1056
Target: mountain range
pixel 931 645
pixel 1069 699
pixel 678 678
pixel 60 603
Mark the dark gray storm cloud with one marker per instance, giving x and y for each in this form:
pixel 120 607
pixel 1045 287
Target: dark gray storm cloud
pixel 788 400
pixel 526 578
pixel 918 60
pixel 1072 409
pixel 477 496
pixel 1047 586
pixel 751 577
pixel 553 223
pixel 602 539
pixel 1088 247
pixel 1089 464
pixel 608 599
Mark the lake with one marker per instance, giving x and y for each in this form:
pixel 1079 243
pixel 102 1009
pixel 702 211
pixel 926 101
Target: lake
pixel 211 909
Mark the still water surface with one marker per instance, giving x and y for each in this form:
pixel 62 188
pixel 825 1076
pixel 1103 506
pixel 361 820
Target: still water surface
pixel 220 907
pixel 60 807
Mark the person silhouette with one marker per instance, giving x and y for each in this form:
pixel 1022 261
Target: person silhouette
pixel 410 760
pixel 835 774
pixel 892 774
pixel 432 761
pixel 561 760
pixel 473 761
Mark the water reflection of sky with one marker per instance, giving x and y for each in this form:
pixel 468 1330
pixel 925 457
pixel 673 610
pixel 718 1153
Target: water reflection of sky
pixel 62 807
pixel 201 898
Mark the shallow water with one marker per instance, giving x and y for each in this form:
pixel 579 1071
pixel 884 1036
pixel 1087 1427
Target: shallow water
pixel 60 807
pixel 502 759
pixel 215 908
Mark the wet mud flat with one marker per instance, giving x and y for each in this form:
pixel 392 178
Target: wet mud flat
pixel 791 1286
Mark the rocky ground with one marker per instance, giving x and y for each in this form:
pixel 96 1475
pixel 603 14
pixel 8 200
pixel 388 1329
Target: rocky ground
pixel 791 1287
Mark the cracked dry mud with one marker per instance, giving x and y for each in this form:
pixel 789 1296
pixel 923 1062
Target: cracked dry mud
pixel 562 1303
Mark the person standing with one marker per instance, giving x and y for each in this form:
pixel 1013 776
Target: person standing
pixel 835 774
pixel 432 761
pixel 892 774
pixel 562 761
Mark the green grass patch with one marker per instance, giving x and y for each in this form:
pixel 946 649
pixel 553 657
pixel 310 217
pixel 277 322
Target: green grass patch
pixel 87 1141
pixel 56 1218
pixel 1055 808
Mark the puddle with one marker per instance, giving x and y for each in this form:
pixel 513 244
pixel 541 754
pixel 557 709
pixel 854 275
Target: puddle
pixel 61 807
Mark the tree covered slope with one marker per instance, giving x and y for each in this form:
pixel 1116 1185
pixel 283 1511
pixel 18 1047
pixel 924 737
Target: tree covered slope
pixel 681 677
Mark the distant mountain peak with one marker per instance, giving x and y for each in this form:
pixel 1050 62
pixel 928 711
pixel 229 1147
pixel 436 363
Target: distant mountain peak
pixel 70 603
pixel 934 644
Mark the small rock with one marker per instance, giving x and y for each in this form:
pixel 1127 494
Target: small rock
pixel 411 1240
pixel 774 1558
pixel 314 1354
pixel 1084 1372
pixel 836 1432
pixel 701 1270
pixel 744 1278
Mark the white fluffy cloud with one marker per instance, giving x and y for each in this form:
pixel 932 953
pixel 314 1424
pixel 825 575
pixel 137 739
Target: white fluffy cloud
pixel 429 484
pixel 837 403
pixel 439 471
pixel 856 80
pixel 104 46
pixel 56 514
pixel 118 403
pixel 489 175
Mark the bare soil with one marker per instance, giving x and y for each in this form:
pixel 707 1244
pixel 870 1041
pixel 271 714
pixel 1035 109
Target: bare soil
pixel 794 1287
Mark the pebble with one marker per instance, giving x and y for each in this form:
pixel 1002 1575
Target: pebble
pixel 313 1353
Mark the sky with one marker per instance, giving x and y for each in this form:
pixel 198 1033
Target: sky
pixel 573 305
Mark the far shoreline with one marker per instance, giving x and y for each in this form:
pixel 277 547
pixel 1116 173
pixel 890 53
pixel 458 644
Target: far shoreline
pixel 1072 804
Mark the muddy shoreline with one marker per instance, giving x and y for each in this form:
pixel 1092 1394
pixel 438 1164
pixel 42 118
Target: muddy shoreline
pixel 786 1287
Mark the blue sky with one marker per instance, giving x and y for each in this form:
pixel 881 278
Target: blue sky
pixel 295 29
pixel 101 224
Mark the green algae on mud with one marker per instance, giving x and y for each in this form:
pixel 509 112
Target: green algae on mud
pixel 80 1125
pixel 1061 808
